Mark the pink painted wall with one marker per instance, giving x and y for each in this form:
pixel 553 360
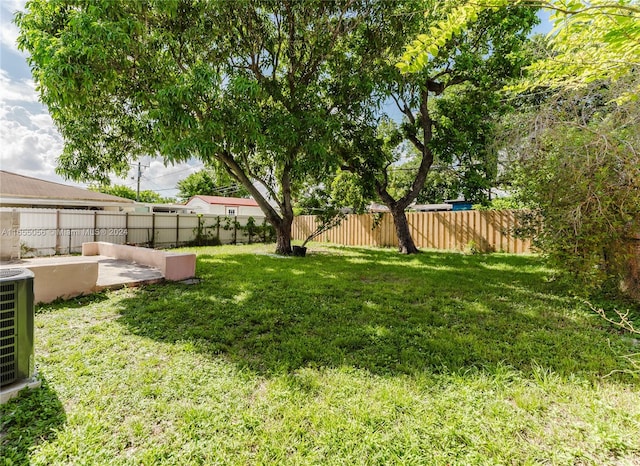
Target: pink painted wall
pixel 174 266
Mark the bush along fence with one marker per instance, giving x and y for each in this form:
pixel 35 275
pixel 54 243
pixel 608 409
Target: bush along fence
pixel 45 232
pixel 471 230
pixel 210 231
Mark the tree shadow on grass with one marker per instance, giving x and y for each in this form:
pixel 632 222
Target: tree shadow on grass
pixel 379 311
pixel 73 303
pixel 27 420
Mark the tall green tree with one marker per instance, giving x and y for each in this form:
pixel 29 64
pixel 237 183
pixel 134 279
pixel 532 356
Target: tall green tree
pixel 129 193
pixel 242 83
pixel 447 105
pixel 210 182
pixel 577 150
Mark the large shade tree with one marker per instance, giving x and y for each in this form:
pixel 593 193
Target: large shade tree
pixel 446 105
pixel 574 140
pixel 242 83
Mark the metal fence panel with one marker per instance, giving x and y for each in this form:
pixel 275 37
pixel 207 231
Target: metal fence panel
pixel 111 227
pixel 62 231
pixel 74 228
pixel 38 232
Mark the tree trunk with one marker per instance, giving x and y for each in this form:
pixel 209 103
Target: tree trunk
pixel 283 232
pixel 281 222
pixel 283 239
pixel 405 241
pixel 630 268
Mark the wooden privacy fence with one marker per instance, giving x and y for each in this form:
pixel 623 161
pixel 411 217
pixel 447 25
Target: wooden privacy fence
pixel 482 230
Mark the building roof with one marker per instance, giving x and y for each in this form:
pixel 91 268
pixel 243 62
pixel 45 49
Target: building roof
pixel 20 189
pixel 377 208
pixel 431 207
pixel 227 201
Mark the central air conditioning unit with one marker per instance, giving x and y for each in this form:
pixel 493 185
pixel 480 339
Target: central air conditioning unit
pixel 16 326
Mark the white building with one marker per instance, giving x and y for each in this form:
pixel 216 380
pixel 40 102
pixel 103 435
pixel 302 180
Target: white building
pixel 218 205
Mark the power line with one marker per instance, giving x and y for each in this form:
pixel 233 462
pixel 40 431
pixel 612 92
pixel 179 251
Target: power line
pixel 164 189
pixel 180 171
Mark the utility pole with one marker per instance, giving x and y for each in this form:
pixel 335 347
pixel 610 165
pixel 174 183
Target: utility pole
pixel 138 189
pixel 140 167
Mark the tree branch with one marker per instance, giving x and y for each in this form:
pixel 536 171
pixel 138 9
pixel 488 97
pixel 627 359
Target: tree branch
pixel 238 173
pixel 427 155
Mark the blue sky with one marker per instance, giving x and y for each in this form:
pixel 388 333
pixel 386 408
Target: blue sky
pixel 29 141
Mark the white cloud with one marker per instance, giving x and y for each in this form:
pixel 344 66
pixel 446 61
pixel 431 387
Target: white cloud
pixel 30 144
pixel 8 36
pixel 16 90
pixel 14 5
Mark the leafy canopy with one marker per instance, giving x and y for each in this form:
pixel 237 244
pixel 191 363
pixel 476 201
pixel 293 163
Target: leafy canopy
pixel 129 193
pixel 447 105
pixel 591 40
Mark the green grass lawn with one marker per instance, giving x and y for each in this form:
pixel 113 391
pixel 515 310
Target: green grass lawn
pixel 348 356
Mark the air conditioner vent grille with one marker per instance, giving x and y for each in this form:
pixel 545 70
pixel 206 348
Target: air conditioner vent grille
pixel 7 333
pixel 6 346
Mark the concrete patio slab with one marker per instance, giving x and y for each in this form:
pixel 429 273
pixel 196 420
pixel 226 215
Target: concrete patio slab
pixel 64 276
pixel 115 273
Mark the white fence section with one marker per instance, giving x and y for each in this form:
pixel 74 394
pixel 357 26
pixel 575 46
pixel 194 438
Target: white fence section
pixel 46 232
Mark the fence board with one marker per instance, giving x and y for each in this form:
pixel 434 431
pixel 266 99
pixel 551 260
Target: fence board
pixel 38 231
pixel 111 227
pixel 456 230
